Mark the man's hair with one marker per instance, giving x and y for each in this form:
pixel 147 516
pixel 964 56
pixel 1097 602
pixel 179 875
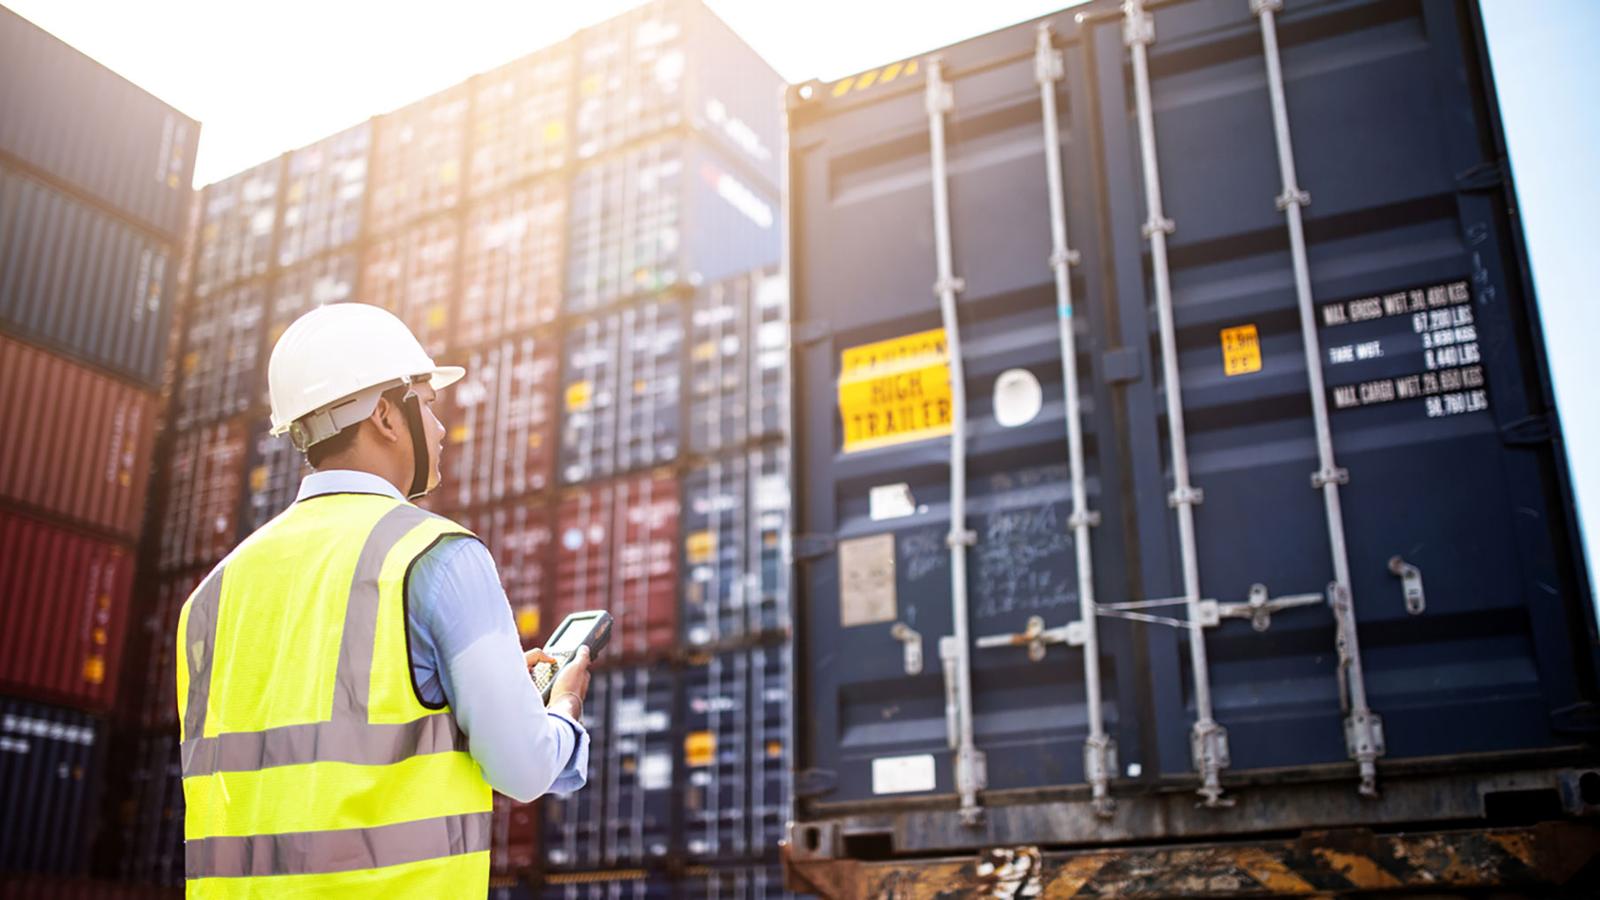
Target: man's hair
pixel 319 453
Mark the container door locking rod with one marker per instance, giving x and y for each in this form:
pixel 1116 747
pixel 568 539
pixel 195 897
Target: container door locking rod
pixel 1363 728
pixel 955 650
pixel 1208 740
pixel 1099 752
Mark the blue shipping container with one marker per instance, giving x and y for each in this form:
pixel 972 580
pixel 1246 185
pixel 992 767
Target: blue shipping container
pixel 1444 613
pixel 73 119
pixel 82 282
pixel 51 769
pixel 664 214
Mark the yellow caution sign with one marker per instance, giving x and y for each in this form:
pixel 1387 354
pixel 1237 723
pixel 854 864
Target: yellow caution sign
pixel 698 546
pixel 895 391
pixel 1241 350
pixel 578 395
pixel 699 748
pixel 528 621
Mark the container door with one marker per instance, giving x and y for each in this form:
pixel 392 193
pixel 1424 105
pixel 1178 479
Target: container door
pixel 1461 572
pixel 872 376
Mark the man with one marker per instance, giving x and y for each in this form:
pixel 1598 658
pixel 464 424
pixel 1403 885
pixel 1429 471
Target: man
pixel 337 661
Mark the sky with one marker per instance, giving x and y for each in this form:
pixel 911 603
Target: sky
pixel 267 77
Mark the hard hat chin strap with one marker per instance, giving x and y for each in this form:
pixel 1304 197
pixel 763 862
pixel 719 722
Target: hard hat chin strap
pixel 422 466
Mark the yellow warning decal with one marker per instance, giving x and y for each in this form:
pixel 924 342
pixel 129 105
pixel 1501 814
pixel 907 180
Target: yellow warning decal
pixel 699 546
pixel 699 748
pixel 871 77
pixel 895 391
pixel 578 394
pixel 528 621
pixel 1241 350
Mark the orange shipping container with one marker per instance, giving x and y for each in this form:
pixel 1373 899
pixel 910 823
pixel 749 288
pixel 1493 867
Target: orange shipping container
pixel 78 442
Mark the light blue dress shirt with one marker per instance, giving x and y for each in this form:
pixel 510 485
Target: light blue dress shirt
pixel 465 651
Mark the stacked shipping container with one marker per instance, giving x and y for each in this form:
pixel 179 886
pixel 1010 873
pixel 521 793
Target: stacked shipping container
pixel 94 197
pixel 590 231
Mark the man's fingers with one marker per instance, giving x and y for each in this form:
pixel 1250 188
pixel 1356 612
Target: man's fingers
pixel 536 655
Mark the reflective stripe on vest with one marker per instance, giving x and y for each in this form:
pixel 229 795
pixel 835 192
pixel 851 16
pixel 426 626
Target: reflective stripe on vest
pixel 309 763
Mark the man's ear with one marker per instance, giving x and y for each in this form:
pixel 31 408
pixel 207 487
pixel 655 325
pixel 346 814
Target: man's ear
pixel 386 417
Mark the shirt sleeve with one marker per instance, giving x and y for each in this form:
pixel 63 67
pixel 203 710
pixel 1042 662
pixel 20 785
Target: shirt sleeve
pixel 465 651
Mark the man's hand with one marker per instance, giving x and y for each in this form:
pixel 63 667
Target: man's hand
pixel 572 683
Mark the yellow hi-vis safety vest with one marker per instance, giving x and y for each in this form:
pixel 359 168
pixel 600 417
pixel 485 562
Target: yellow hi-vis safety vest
pixel 311 767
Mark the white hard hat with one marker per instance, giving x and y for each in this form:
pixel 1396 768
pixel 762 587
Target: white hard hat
pixel 331 365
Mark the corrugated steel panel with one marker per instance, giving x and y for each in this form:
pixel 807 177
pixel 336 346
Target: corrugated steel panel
pixel 599 886
pixel 735 518
pixel 52 763
pixel 158 698
pixel 66 612
pixel 153 833
pixel 513 836
pixel 205 487
pixel 622 390
pixel 298 290
pixel 511 268
pixel 324 195
pixel 772 731
pixel 572 835
pixel 272 479
pixel 717 757
pixel 736 883
pixel 617 551
pixel 237 227
pixel 223 362
pixel 417 159
pixel 1435 373
pixel 501 423
pixel 672 63
pixel 662 214
pixel 413 275
pixel 68 888
pixel 66 114
pixel 736 725
pixel 639 766
pixel 83 282
pixel 80 441
pixel 521 538
pixel 519 120
pixel 738 360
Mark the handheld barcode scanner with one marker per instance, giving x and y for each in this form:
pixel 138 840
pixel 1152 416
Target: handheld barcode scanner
pixel 591 628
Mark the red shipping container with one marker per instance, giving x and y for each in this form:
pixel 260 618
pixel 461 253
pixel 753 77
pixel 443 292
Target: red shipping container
pixel 512 262
pixel 205 488
pixel 514 837
pixel 158 704
pixel 502 423
pixel 521 537
pixel 413 275
pixel 78 443
pixel 65 612
pixel 616 550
